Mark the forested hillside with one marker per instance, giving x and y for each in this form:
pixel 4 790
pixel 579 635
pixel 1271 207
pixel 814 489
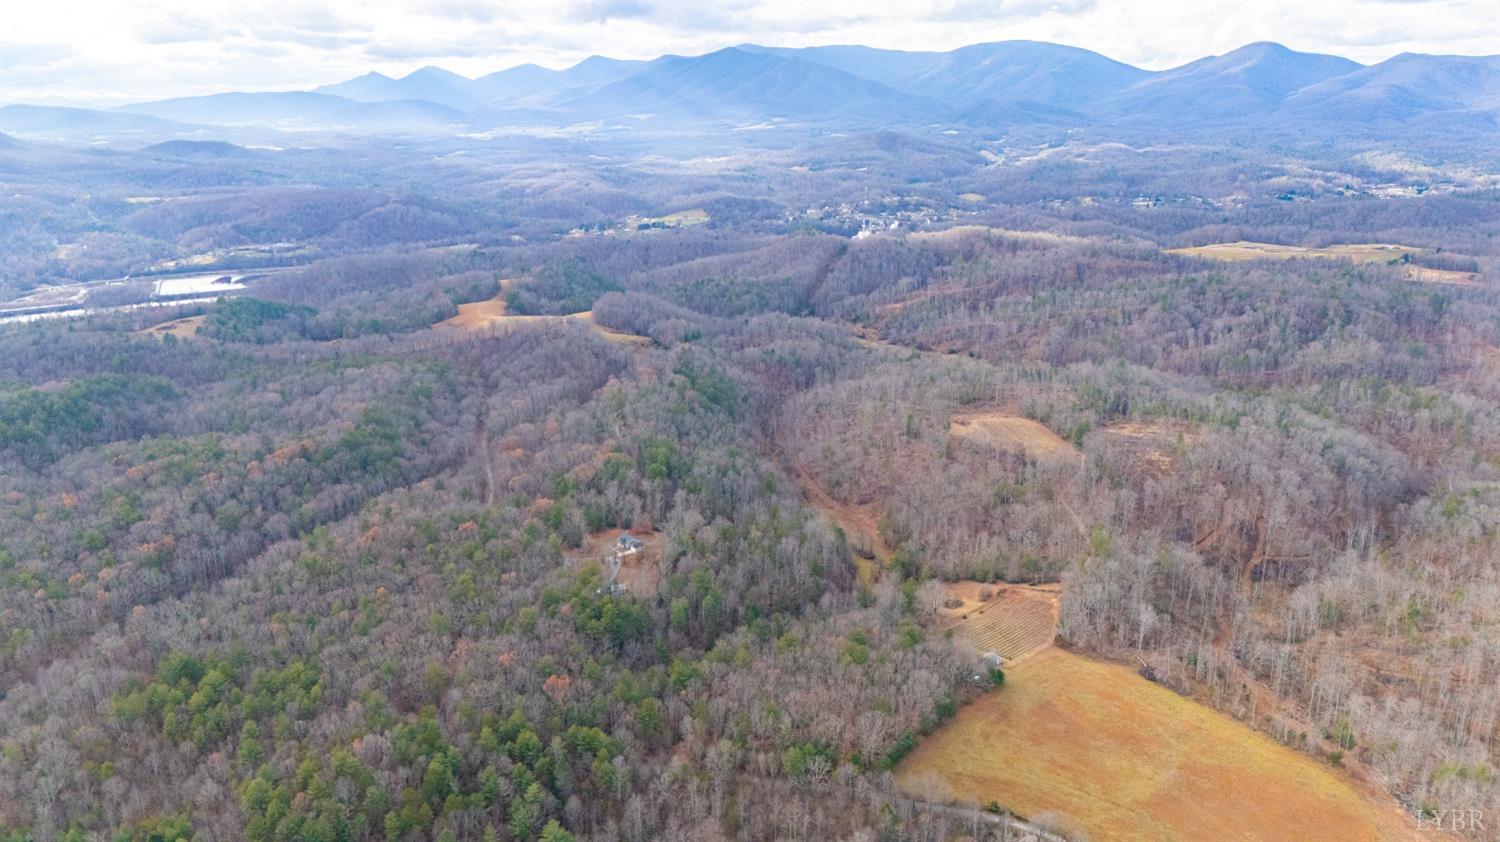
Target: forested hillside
pixel 326 552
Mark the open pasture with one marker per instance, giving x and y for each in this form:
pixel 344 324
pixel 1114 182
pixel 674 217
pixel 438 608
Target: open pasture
pixel 492 314
pixel 1244 250
pixel 1095 750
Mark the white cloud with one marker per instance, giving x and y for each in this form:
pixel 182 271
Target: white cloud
pixel 107 52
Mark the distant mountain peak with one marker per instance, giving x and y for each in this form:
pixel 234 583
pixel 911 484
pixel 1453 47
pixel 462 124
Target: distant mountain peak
pixel 432 71
pixel 1268 51
pixel 1254 79
pixel 1275 47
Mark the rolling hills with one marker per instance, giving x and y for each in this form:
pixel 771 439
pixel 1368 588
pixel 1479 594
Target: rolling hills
pixel 298 109
pixel 1406 87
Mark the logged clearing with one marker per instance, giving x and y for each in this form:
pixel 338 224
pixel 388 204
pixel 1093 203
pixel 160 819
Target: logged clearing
pixel 1150 446
pixel 1015 621
pixel 1358 252
pixel 860 525
pixel 184 328
pixel 1094 749
pixel 1004 431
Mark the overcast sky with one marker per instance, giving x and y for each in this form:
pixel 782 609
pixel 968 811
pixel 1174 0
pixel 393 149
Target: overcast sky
pixel 120 50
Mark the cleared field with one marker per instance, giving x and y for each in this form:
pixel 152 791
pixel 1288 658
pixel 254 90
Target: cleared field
pixel 184 328
pixel 491 314
pixel 1095 750
pixel 1450 277
pixel 48 296
pixel 691 216
pixel 1002 431
pixel 1358 252
pixel 1016 623
pixel 477 314
pixel 676 219
pixel 1246 250
pixel 639 573
pixel 960 231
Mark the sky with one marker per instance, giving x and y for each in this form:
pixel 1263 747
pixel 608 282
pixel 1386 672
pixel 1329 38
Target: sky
pixel 115 51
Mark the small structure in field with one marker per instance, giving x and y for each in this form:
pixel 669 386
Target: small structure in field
pixel 992 661
pixel 628 544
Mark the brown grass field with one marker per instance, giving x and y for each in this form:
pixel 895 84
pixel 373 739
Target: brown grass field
pixel 1450 277
pixel 491 314
pixel 1246 250
pixel 1003 431
pixel 184 328
pixel 1358 252
pixel 1093 749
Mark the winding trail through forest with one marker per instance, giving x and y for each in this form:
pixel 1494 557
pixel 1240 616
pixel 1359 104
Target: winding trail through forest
pixel 482 432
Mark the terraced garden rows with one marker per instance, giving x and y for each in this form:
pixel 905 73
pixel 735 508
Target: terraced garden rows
pixel 1014 624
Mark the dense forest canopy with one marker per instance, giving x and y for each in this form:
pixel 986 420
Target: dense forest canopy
pixel 327 557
